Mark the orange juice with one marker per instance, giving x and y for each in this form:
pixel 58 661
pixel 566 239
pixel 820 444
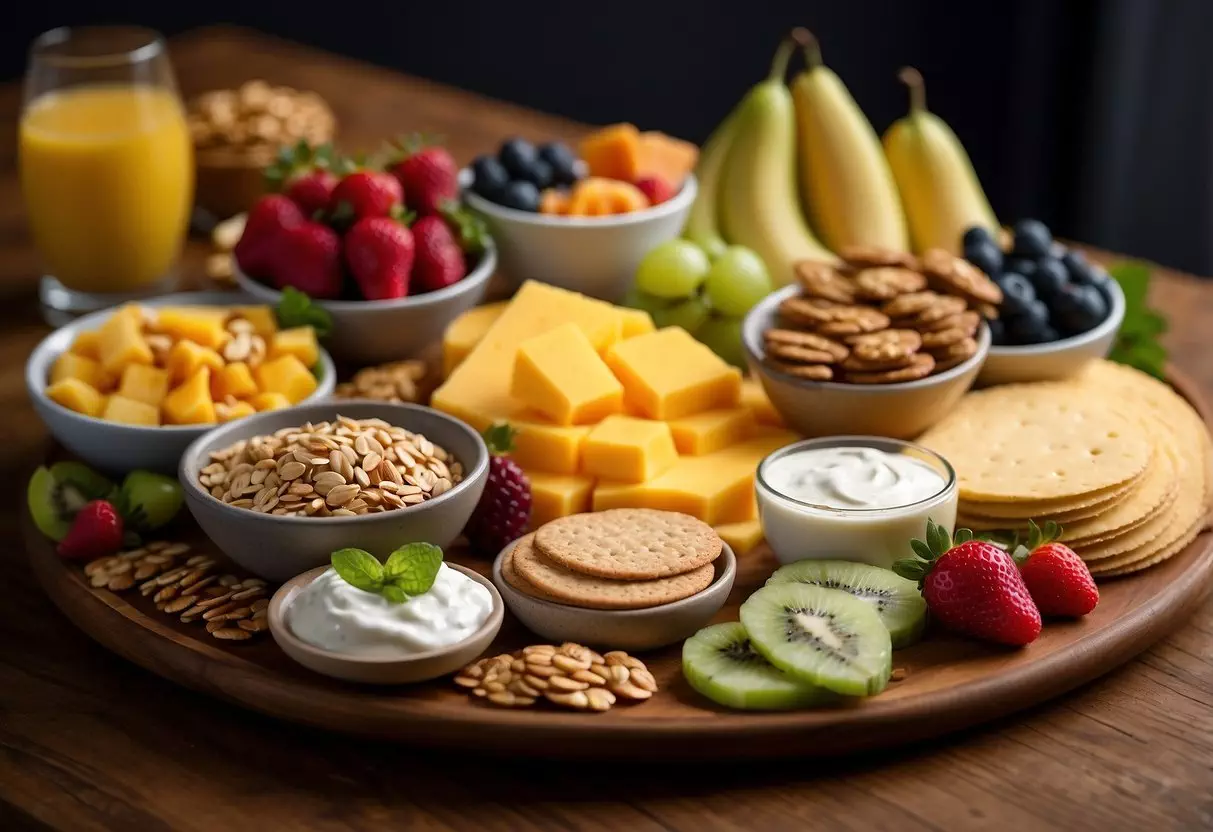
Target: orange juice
pixel 108 177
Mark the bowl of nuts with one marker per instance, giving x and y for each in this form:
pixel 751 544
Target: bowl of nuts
pixel 279 492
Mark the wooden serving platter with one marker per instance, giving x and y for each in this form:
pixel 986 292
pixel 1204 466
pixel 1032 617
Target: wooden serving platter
pixel 949 683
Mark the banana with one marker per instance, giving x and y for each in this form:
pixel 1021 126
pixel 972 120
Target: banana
pixel 703 222
pixel 938 186
pixel 758 202
pixel 845 181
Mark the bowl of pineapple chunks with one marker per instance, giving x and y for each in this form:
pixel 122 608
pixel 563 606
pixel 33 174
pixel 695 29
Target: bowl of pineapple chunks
pixel 132 387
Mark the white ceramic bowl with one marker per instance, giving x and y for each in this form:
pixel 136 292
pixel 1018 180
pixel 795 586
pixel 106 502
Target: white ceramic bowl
pixel 117 448
pixel 1057 359
pixel 596 256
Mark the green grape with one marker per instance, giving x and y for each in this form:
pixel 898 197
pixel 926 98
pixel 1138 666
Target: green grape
pixel 689 314
pixel 723 337
pixel 674 269
pixel 636 299
pixel 713 245
pixel 737 280
pixel 154 498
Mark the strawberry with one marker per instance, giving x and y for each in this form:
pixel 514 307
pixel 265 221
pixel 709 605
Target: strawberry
pixel 439 261
pixel 972 586
pixel 379 253
pixel 365 193
pixel 312 191
pixel 427 173
pixel 308 257
pixel 267 224
pixel 1059 580
pixel 656 189
pixel 306 175
pixel 504 510
pixel 97 530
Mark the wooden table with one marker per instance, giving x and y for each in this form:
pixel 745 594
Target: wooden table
pixel 88 741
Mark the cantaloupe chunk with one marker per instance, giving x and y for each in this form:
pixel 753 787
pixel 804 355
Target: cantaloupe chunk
pixel 553 201
pixel 144 384
pixel 130 411
pixel 121 341
pixel 76 395
pixel 235 380
pixel 286 375
pixel 666 157
pixel 186 357
pixel 191 403
pixel 269 401
pixel 612 152
pixel 263 319
pixel 231 412
pixel 596 197
pixel 203 325
pixel 299 341
pixel 88 344
pixel 71 365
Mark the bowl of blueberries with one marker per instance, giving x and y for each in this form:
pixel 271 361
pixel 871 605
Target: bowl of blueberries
pixel 594 254
pixel 1059 310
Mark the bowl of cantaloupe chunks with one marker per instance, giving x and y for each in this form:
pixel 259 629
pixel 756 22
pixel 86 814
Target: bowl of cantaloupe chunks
pixel 132 387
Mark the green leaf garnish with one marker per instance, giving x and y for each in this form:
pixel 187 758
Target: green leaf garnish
pixel 394 594
pixel 1137 343
pixel 359 569
pixel 469 229
pixel 413 567
pixel 295 308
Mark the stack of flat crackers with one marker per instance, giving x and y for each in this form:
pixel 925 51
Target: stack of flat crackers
pixel 1119 460
pixel 621 559
pixel 882 317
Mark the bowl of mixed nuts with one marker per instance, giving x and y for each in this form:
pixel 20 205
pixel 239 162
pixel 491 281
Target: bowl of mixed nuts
pixel 279 492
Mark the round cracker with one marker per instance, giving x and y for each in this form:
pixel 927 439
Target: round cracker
pixel 1152 560
pixel 1060 511
pixel 568 587
pixel 629 543
pixel 1153 493
pixel 511 576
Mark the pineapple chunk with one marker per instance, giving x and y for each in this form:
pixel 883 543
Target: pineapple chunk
pixel 144 384
pixel 269 401
pixel 235 380
pixel 286 375
pixel 231 412
pixel 264 322
pixel 130 411
pixel 186 357
pixel 121 341
pixel 71 365
pixel 299 341
pixel 204 325
pixel 76 395
pixel 88 344
pixel 191 403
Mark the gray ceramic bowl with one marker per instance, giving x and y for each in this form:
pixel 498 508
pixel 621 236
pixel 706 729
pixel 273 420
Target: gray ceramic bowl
pixel 277 548
pixel 418 667
pixel 117 448
pixel 377 331
pixel 645 629
pixel 1059 359
pixel 825 408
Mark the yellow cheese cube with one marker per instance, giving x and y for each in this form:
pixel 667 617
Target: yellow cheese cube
pixel 560 375
pixel 711 430
pixel 235 380
pixel 121 341
pixel 717 488
pixel 742 537
pixel 144 384
pixel 231 412
pixel 88 344
pixel 627 449
pixel 76 395
pixel 190 403
pixel 754 397
pixel 668 374
pixel 204 325
pixel 186 358
pixel 636 322
pixel 263 319
pixel 130 411
pixel 557 495
pixel 269 401
pixel 465 332
pixel 299 341
pixel 71 365
pixel 286 375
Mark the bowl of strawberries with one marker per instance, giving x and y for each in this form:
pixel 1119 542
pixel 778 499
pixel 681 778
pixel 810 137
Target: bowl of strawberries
pixel 383 244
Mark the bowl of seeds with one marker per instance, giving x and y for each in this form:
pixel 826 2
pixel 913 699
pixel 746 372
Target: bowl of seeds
pixel 279 492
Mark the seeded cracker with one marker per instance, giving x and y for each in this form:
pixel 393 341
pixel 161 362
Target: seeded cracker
pixel 629 544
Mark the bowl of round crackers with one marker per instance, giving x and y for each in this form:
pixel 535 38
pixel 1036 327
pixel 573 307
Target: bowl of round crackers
pixel 884 344
pixel 630 579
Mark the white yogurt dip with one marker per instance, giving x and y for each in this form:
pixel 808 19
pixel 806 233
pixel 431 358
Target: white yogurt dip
pixel 852 498
pixel 335 615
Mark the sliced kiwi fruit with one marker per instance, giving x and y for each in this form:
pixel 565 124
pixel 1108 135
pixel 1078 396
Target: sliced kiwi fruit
pixel 56 493
pixel 720 663
pixel 898 602
pixel 819 636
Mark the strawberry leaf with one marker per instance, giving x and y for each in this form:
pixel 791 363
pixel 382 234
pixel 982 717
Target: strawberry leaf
pixel 500 438
pixel 470 230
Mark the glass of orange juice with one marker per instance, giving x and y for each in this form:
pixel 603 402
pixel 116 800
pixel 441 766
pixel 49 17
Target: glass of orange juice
pixel 106 165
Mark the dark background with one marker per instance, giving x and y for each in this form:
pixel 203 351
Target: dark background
pixel 1093 115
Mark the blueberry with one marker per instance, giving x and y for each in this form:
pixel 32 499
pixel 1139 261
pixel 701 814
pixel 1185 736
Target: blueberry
pixel 1049 278
pixel 539 174
pixel 1032 239
pixel 1017 293
pixel 523 196
pixel 562 160
pixel 1080 308
pixel 1020 265
pixel 1081 270
pixel 1029 329
pixel 977 234
pixel 998 332
pixel 489 178
pixel 517 155
pixel 985 255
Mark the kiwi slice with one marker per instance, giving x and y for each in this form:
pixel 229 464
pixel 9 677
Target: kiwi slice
pixel 55 494
pixel 820 636
pixel 898 602
pixel 720 663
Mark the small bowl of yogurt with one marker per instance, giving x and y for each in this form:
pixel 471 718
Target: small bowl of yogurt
pixel 856 498
pixel 334 628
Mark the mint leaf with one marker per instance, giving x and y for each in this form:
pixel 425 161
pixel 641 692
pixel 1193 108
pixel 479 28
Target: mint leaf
pixel 1137 343
pixel 295 308
pixel 359 568
pixel 394 594
pixel 413 567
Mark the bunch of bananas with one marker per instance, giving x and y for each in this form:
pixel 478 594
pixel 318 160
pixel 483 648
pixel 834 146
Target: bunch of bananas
pixel 916 192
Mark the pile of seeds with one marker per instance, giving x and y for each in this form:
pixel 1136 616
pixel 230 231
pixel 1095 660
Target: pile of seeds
pixel 232 608
pixel 571 676
pixel 394 382
pixel 331 469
